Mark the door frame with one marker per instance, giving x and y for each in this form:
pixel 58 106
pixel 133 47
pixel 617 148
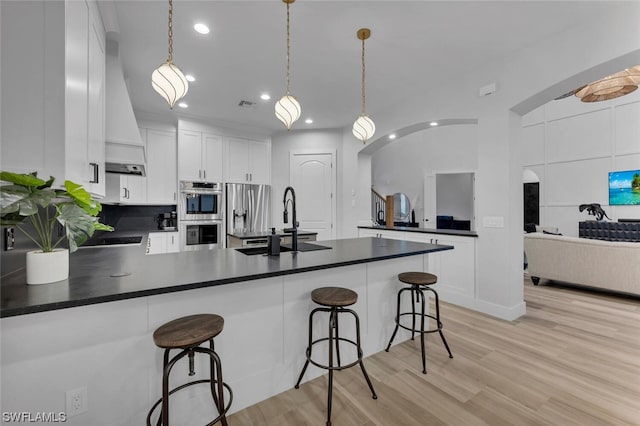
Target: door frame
pixel 334 180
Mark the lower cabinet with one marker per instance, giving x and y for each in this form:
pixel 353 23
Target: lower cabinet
pixel 456 269
pixel 163 242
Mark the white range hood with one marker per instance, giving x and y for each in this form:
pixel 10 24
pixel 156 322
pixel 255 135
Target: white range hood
pixel 124 150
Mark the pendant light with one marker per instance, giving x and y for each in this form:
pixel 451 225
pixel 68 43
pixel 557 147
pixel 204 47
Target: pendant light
pixel 363 127
pixel 167 79
pixel 611 87
pixel 288 108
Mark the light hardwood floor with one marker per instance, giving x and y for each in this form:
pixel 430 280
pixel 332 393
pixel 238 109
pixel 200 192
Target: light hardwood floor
pixel 573 359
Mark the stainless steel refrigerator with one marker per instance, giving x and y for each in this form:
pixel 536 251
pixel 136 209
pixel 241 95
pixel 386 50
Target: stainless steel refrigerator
pixel 248 208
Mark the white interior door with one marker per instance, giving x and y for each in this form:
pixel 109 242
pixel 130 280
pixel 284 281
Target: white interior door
pixel 313 177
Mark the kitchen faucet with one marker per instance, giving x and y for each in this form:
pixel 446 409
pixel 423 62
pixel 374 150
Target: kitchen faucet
pixel 285 215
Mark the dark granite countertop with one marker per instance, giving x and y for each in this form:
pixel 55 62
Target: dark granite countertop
pixel 264 234
pixel 106 274
pixel 424 230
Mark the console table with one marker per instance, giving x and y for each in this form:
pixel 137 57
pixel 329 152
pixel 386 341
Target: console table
pixel 610 231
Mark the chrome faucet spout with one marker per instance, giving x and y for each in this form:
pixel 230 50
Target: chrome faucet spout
pixel 294 232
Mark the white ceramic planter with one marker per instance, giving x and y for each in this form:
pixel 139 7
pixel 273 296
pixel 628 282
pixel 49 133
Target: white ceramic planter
pixel 44 268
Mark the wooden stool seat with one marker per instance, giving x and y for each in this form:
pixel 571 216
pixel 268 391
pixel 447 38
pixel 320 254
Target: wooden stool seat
pixel 418 278
pixel 188 331
pixel 334 296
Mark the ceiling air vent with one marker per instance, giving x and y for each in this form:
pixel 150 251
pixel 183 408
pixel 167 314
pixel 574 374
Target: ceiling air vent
pixel 246 104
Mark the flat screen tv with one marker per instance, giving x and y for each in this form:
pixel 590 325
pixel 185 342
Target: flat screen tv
pixel 624 188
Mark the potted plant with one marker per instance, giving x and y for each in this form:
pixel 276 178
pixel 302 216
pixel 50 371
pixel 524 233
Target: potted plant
pixel 25 196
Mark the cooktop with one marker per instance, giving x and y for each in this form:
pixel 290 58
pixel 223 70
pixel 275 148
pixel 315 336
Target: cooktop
pixel 112 241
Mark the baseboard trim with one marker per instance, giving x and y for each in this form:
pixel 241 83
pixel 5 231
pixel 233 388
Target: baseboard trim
pixel 509 313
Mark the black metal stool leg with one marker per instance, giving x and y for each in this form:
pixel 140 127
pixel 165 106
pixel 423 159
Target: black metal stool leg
pixel 337 337
pixel 424 355
pixel 330 387
pixel 437 302
pixel 215 374
pixel 308 351
pixel 359 349
pixel 166 369
pixel 413 312
pixel 395 330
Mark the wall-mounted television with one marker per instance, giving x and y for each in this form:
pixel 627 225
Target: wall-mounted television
pixel 624 188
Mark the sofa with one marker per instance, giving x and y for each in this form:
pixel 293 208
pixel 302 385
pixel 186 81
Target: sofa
pixel 607 265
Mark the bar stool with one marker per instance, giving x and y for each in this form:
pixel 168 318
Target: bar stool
pixel 334 300
pixel 418 283
pixel 188 333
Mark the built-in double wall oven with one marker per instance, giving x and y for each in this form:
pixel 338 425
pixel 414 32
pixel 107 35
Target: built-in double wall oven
pixel 200 215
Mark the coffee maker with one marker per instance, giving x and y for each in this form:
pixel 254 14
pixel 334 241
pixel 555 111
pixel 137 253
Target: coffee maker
pixel 167 221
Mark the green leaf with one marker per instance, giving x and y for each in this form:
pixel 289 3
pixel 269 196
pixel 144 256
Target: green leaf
pixel 26 201
pixel 102 227
pixel 78 224
pixel 23 179
pixel 11 219
pixel 48 183
pixel 82 198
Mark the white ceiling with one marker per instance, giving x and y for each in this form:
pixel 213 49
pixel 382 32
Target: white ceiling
pixel 414 46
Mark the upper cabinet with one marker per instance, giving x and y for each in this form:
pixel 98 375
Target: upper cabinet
pixel 199 156
pixel 247 161
pixel 159 186
pixel 53 91
pixel 161 166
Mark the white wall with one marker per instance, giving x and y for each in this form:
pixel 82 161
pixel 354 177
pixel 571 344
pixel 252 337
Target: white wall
pixel 529 78
pixel 572 146
pixel 402 165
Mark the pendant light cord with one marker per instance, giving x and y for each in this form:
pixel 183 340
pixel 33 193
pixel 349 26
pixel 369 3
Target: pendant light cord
pixel 288 47
pixel 170 59
pixel 363 98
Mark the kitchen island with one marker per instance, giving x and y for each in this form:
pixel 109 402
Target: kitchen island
pixel 94 329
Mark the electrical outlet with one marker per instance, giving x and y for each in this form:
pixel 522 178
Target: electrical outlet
pixel 77 402
pixel 9 239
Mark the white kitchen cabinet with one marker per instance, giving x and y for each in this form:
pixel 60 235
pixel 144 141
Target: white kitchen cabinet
pixel 163 242
pixel 247 161
pixel 161 166
pixel 200 156
pixel 126 189
pixel 56 127
pixel 455 268
pixel 382 233
pixel 96 108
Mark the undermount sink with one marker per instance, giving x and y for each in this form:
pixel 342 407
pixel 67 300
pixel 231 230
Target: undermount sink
pixel 252 251
pixel 302 247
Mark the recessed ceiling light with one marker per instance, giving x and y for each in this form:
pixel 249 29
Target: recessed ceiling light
pixel 392 136
pixel 183 105
pixel 265 97
pixel 190 78
pixel 433 123
pixel 201 28
pixel 308 121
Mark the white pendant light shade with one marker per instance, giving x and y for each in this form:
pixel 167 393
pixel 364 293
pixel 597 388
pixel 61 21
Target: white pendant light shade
pixel 288 110
pixel 364 128
pixel 170 83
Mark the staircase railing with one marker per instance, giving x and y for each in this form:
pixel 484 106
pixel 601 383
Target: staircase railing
pixel 381 208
